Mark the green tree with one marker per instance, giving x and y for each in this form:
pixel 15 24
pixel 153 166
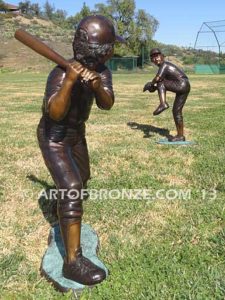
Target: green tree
pixel 75 20
pixel 145 28
pixel 146 24
pixel 3 6
pixel 24 6
pixel 136 27
pixel 49 10
pixel 59 17
pixel 104 10
pixel 35 9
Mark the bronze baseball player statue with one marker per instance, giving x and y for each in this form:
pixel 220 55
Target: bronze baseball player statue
pixel 68 99
pixel 169 78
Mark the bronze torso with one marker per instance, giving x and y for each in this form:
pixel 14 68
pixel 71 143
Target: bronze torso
pixel 82 98
pixel 169 71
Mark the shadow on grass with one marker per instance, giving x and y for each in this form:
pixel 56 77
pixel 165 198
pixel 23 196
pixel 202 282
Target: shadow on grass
pixel 47 200
pixel 48 205
pixel 148 130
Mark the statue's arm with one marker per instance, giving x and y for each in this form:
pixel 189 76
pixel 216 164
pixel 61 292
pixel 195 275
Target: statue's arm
pixel 160 74
pixel 104 98
pixel 59 102
pixel 156 79
pixel 104 94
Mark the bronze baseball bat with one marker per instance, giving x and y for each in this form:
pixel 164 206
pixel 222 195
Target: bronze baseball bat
pixel 39 47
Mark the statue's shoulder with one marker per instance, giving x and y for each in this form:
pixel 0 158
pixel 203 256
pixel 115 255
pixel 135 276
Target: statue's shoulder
pixel 56 75
pixel 168 63
pixel 57 70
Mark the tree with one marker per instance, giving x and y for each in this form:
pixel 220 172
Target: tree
pixel 35 9
pixel 145 28
pixel 121 12
pixel 48 10
pixel 59 17
pixel 24 6
pixel 3 6
pixel 75 20
pixel 147 24
pixel 103 9
pixel 136 27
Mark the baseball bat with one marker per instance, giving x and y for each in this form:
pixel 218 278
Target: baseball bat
pixel 39 47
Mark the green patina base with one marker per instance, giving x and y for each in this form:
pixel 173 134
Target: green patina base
pixel 52 261
pixel 166 142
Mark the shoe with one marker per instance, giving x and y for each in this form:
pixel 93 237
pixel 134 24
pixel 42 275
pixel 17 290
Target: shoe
pixel 176 138
pixel 83 271
pixel 160 109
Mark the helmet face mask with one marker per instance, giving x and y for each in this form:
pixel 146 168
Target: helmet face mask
pixel 94 41
pixel 90 55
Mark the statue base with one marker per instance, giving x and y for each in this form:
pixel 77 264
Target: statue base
pixel 167 142
pixel 52 261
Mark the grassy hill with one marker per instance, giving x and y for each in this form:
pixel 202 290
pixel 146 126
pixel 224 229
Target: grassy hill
pixel 16 56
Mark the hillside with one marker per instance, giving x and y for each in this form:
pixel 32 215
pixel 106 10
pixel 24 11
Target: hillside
pixel 16 56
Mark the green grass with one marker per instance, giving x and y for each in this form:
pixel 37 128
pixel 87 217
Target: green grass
pixel 155 249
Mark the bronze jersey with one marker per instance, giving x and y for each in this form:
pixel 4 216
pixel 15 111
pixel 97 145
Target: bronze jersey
pixel 169 71
pixel 82 98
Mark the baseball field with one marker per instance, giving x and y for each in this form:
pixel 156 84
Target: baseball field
pixel 158 209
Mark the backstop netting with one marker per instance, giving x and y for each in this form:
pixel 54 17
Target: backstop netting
pixel 210 48
pixel 128 63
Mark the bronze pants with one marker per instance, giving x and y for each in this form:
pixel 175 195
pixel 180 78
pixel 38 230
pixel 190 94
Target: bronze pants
pixel 182 90
pixel 68 164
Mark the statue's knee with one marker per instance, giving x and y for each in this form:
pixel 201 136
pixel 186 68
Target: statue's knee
pixel 161 86
pixel 70 210
pixel 70 190
pixel 75 185
pixel 69 201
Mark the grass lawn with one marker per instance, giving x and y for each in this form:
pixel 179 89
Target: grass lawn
pixel 169 246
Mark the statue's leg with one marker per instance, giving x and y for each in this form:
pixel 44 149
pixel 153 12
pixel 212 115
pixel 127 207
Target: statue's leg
pixel 76 267
pixel 178 116
pixel 64 168
pixel 182 89
pixel 81 156
pixel 162 99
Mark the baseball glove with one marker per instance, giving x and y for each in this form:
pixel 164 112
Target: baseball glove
pixel 150 87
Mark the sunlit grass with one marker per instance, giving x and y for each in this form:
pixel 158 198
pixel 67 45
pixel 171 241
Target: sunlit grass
pixel 155 249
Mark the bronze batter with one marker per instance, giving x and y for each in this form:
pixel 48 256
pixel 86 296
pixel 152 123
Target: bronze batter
pixel 68 99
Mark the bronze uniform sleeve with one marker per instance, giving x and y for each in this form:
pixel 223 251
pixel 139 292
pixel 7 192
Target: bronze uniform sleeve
pixel 54 83
pixel 106 78
pixel 161 72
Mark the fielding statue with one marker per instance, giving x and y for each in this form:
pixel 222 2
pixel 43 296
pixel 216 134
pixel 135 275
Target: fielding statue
pixel 68 99
pixel 169 78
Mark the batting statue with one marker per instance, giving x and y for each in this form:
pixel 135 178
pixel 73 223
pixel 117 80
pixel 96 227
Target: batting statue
pixel 169 78
pixel 68 99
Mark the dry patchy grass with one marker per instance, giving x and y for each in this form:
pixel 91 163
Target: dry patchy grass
pixel 124 153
